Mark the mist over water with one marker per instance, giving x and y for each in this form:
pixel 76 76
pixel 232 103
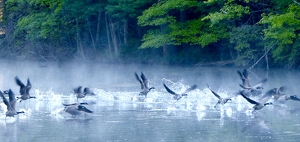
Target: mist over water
pixel 119 116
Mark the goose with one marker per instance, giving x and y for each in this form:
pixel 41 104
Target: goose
pixel 282 98
pixel 262 102
pixel 177 96
pixel 24 90
pixel 248 89
pixel 11 104
pixel 80 94
pixel 144 84
pixel 76 108
pixel 221 100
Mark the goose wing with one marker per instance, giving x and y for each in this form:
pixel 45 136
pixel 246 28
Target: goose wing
pixel 5 101
pixel 28 86
pixel 214 93
pixel 249 100
pixel 12 99
pixel 145 80
pixel 245 77
pixel 77 90
pixel 139 80
pixel 22 86
pixel 169 90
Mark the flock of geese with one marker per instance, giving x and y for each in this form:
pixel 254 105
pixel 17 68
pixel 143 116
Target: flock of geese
pixel 74 109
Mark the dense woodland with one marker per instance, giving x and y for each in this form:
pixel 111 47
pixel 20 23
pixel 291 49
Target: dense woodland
pixel 260 33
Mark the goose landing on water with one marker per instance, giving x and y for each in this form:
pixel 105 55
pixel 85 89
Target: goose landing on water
pixel 177 96
pixel 144 84
pixel 11 104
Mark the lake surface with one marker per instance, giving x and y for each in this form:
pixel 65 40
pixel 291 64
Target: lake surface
pixel 119 116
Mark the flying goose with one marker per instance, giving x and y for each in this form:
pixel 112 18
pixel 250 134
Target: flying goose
pixel 24 90
pixel 221 100
pixel 76 108
pixel 262 102
pixel 282 98
pixel 144 84
pixel 248 89
pixel 177 96
pixel 11 104
pixel 80 94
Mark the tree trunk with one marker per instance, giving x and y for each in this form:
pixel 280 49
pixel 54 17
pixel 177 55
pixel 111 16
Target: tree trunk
pixel 113 36
pixel 98 28
pixel 78 41
pixel 108 34
pixel 125 30
pixel 90 31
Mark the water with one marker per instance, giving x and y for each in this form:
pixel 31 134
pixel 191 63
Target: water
pixel 119 116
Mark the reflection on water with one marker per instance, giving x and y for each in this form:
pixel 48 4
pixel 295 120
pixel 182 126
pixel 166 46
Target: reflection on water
pixel 119 116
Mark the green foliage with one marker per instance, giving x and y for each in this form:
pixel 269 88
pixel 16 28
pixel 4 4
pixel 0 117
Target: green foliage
pixel 227 12
pixel 247 41
pixel 154 38
pixel 285 29
pixel 126 8
pixel 158 14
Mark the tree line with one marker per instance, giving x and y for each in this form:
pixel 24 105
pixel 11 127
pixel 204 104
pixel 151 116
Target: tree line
pixel 189 32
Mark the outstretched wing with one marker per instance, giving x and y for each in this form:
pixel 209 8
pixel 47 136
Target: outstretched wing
pixel 22 86
pixel 5 101
pixel 77 90
pixel 169 90
pixel 145 80
pixel 244 76
pixel 214 93
pixel 249 100
pixel 12 99
pixel 28 86
pixel 138 79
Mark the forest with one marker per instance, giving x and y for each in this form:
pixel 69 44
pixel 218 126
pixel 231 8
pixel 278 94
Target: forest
pixel 247 33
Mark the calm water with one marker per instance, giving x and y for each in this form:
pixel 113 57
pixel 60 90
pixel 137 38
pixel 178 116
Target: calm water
pixel 118 116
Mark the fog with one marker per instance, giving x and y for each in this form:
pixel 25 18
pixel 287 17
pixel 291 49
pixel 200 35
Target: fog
pixel 63 77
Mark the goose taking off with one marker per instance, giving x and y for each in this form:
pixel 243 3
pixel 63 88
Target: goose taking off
pixel 11 104
pixel 76 108
pixel 282 98
pixel 24 90
pixel 177 96
pixel 262 102
pixel 221 100
pixel 248 89
pixel 144 84
pixel 80 94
